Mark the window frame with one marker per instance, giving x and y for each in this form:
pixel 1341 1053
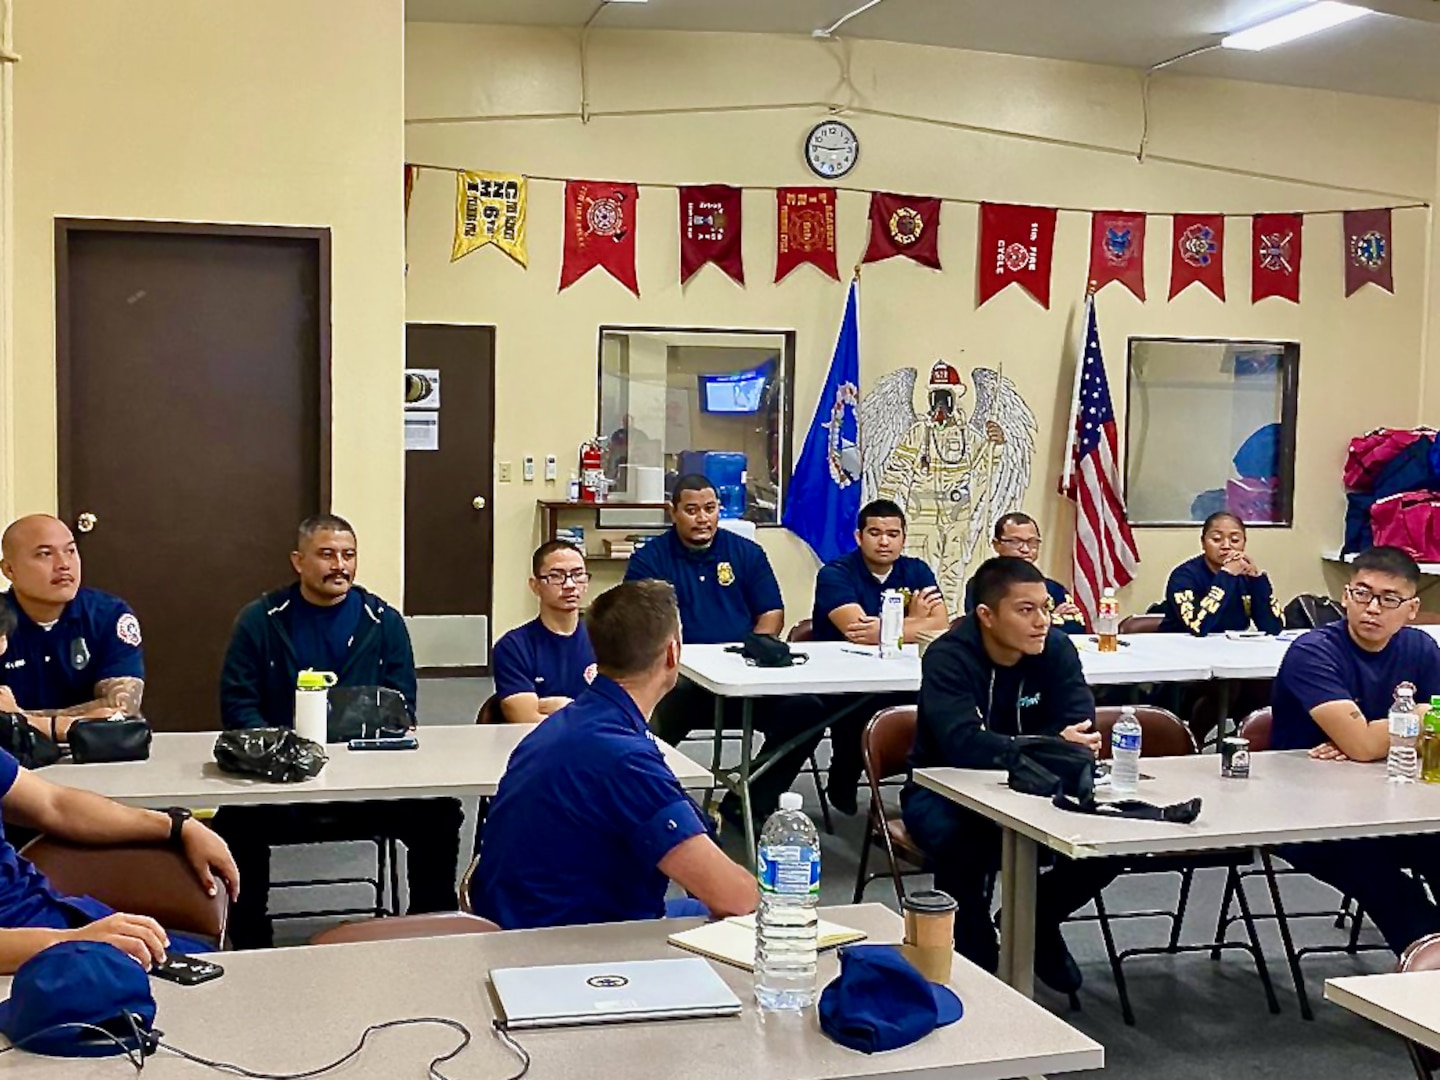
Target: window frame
pixel 1289 413
pixel 787 399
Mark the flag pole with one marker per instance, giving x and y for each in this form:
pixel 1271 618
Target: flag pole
pixel 1067 478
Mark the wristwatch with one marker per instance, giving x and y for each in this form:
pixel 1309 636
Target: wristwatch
pixel 178 816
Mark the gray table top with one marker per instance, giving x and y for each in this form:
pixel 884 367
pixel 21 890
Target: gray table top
pixel 1407 1003
pixel 455 761
pixel 292 1009
pixel 1289 798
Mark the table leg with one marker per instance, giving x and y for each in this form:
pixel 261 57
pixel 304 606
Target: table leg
pixel 747 735
pixel 1018 868
pixel 716 752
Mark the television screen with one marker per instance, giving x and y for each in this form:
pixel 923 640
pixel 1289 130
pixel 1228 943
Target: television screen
pixel 742 392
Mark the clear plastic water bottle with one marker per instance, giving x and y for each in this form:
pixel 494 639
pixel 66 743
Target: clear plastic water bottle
pixel 788 867
pixel 1402 764
pixel 1125 754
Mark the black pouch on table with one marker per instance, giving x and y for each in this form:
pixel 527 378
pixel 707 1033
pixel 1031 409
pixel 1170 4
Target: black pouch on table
pixel 1064 772
pixel 276 754
pixel 26 745
pixel 122 738
pixel 767 650
pixel 367 712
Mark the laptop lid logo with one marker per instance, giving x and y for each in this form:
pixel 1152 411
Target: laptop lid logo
pixel 607 982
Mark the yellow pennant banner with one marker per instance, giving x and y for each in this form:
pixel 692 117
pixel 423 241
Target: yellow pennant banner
pixel 490 209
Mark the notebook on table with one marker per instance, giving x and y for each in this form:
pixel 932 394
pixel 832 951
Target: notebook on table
pixel 566 995
pixel 732 941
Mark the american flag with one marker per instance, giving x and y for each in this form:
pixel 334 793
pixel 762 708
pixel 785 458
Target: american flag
pixel 1105 553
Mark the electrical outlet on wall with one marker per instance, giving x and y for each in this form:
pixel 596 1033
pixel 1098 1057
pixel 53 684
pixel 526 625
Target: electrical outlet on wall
pixel 528 470
pixel 503 473
pixel 550 473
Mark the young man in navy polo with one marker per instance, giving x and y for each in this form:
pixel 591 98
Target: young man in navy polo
pixel 75 652
pixel 1018 536
pixel 1332 696
pixel 589 824
pixel 326 622
pixel 725 589
pixel 541 667
pixel 847 608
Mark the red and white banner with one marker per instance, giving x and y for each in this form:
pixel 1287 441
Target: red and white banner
pixel 710 230
pixel 1197 253
pixel 600 231
pixel 805 230
pixel 1367 250
pixel 1275 256
pixel 1117 250
pixel 904 225
pixel 1017 246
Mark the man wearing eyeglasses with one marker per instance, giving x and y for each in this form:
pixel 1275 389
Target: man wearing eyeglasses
pixel 1018 536
pixel 1332 697
pixel 541 667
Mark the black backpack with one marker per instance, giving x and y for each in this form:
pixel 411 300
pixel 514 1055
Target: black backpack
pixel 1310 612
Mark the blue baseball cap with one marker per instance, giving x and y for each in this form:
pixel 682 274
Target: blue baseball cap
pixel 879 1001
pixel 74 983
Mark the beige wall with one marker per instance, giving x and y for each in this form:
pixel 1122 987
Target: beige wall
pixel 670 108
pixel 281 112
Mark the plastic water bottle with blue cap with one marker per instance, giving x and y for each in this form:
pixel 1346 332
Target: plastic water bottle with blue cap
pixel 786 924
pixel 1125 753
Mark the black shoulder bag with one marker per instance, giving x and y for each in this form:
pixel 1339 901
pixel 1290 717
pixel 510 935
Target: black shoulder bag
pixel 1064 773
pixel 767 650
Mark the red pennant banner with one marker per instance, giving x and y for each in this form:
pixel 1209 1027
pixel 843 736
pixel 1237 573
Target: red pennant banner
pixel 1117 250
pixel 600 231
pixel 710 230
pixel 1197 253
pixel 904 225
pixel 805 230
pixel 1275 256
pixel 1017 245
pixel 1367 250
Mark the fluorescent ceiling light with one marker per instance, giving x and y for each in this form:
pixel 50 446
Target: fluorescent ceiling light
pixel 1297 24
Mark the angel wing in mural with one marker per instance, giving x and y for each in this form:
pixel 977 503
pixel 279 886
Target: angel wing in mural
pixel 886 415
pixel 998 402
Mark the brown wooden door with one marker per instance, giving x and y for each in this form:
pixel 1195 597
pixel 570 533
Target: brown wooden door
pixel 193 424
pixel 448 540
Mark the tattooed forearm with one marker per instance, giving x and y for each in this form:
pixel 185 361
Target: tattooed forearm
pixel 123 694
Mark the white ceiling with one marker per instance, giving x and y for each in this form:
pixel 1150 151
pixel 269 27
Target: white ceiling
pixel 1395 53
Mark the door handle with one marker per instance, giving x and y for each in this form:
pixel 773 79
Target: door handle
pixel 478 502
pixel 86 521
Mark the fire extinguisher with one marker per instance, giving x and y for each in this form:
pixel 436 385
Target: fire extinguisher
pixel 592 471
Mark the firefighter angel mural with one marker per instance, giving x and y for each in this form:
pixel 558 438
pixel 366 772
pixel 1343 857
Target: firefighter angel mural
pixel 954 472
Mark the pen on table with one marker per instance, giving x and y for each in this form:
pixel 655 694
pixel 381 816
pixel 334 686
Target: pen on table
pixel 1122 643
pixel 859 652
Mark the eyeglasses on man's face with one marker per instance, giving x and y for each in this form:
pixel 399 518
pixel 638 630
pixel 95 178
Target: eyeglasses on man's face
pixel 558 578
pixel 1364 595
pixel 1020 543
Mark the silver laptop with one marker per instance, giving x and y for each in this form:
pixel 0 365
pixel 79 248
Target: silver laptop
pixel 568 994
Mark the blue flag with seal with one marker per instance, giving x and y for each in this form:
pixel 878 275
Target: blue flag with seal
pixel 824 495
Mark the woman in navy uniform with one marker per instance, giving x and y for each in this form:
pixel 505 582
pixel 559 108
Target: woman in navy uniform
pixel 1221 589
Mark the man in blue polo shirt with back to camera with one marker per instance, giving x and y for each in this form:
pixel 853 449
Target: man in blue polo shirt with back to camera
pixel 847 608
pixel 589 824
pixel 75 652
pixel 1332 696
pixel 725 589
pixel 541 667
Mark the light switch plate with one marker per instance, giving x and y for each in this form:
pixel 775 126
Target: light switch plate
pixel 503 472
pixel 528 470
pixel 550 468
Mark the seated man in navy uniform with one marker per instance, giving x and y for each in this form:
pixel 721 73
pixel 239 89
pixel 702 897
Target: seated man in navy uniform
pixel 589 824
pixel 541 667
pixel 1017 536
pixel 847 608
pixel 75 652
pixel 726 589
pixel 325 622
pixel 1004 670
pixel 1332 696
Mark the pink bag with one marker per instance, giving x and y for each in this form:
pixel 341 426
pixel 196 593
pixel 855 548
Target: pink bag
pixel 1369 453
pixel 1409 521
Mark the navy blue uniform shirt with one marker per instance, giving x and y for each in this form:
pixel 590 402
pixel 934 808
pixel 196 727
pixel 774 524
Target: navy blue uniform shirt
pixel 97 637
pixel 586 810
pixel 1202 601
pixel 533 659
pixel 721 590
pixel 1059 595
pixel 322 635
pixel 1326 665
pixel 847 580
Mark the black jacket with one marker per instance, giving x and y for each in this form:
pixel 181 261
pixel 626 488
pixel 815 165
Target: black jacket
pixel 968 715
pixel 257 683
